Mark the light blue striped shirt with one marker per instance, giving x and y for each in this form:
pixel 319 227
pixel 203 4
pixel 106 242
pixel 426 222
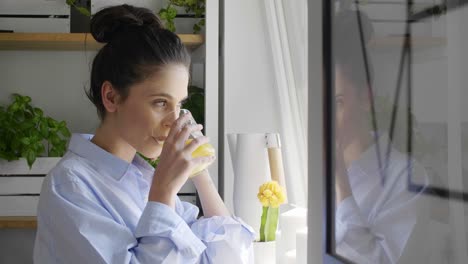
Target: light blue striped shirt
pixel 94 208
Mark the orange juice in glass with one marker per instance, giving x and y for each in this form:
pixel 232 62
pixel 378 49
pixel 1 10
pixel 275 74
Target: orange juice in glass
pixel 204 150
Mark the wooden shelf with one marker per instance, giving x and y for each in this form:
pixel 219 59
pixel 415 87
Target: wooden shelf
pixel 23 222
pixel 69 41
pixel 397 42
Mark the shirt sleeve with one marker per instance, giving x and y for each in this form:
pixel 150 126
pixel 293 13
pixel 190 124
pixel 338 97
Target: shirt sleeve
pixel 83 231
pixel 227 239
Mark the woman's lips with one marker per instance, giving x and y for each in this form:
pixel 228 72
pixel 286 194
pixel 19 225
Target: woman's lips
pixel 160 140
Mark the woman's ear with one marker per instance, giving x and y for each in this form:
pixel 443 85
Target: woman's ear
pixel 110 97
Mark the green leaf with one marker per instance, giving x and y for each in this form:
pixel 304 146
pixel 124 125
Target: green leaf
pixel 195 89
pixel 15 144
pixel 51 122
pixel 13 107
pixel 65 132
pixel 163 13
pixel 26 125
pixel 170 26
pixel 54 139
pixel 199 12
pixel 19 116
pixel 25 141
pixel 54 153
pixel 71 2
pixel 44 129
pixel 171 12
pixel 83 11
pixel 26 99
pixel 40 149
pixel 196 28
pixel 8 156
pixel 178 2
pixel 31 157
pixel 38 112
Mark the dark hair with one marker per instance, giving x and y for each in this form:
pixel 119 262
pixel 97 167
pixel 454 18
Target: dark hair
pixel 137 45
pixel 348 46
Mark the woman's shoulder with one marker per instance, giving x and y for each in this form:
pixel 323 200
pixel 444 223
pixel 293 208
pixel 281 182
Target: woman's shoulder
pixel 70 169
pixel 404 170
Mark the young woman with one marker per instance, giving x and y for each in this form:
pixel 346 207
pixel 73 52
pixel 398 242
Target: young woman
pixel 103 203
pixel 376 212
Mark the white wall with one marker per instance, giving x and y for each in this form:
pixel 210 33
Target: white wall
pixel 54 80
pixel 248 78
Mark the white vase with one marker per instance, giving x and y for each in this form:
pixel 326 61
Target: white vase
pixel 265 252
pixel 249 157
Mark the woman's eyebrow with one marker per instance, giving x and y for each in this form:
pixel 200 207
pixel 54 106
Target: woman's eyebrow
pixel 161 94
pixel 167 96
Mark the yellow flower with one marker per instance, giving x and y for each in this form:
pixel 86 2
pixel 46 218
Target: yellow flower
pixel 271 194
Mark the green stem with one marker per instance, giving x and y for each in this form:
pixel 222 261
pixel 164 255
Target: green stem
pixel 263 222
pixel 269 224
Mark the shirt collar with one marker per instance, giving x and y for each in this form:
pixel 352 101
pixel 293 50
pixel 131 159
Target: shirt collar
pixel 368 162
pixel 105 162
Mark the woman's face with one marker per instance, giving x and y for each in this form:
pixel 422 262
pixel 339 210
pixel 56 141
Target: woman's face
pixel 350 108
pixel 146 115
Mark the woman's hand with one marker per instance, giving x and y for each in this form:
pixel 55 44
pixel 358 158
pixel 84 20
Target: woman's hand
pixel 176 162
pixel 342 187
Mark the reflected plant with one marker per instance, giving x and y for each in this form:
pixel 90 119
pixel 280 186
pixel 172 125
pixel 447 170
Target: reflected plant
pixel 420 145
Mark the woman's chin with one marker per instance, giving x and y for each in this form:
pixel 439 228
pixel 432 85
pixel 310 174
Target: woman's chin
pixel 151 153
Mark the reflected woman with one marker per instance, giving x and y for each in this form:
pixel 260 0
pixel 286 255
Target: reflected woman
pixel 375 211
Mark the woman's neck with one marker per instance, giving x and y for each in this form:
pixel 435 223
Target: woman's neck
pixel 107 139
pixel 355 148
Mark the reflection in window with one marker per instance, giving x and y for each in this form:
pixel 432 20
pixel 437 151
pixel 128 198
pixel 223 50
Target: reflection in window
pixel 376 213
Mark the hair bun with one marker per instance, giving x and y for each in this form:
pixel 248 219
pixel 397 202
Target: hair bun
pixel 112 21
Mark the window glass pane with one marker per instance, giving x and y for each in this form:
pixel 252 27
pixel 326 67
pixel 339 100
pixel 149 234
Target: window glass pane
pixel 401 133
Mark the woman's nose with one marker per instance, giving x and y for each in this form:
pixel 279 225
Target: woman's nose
pixel 171 117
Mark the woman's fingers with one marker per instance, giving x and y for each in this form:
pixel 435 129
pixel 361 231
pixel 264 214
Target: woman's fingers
pixel 178 125
pixel 187 130
pixel 196 143
pixel 203 160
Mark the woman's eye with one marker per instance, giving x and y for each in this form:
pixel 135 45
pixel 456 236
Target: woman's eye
pixel 160 103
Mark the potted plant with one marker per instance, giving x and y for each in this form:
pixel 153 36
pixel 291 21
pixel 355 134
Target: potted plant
pixel 26 134
pixel 194 9
pixel 183 14
pixel 271 195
